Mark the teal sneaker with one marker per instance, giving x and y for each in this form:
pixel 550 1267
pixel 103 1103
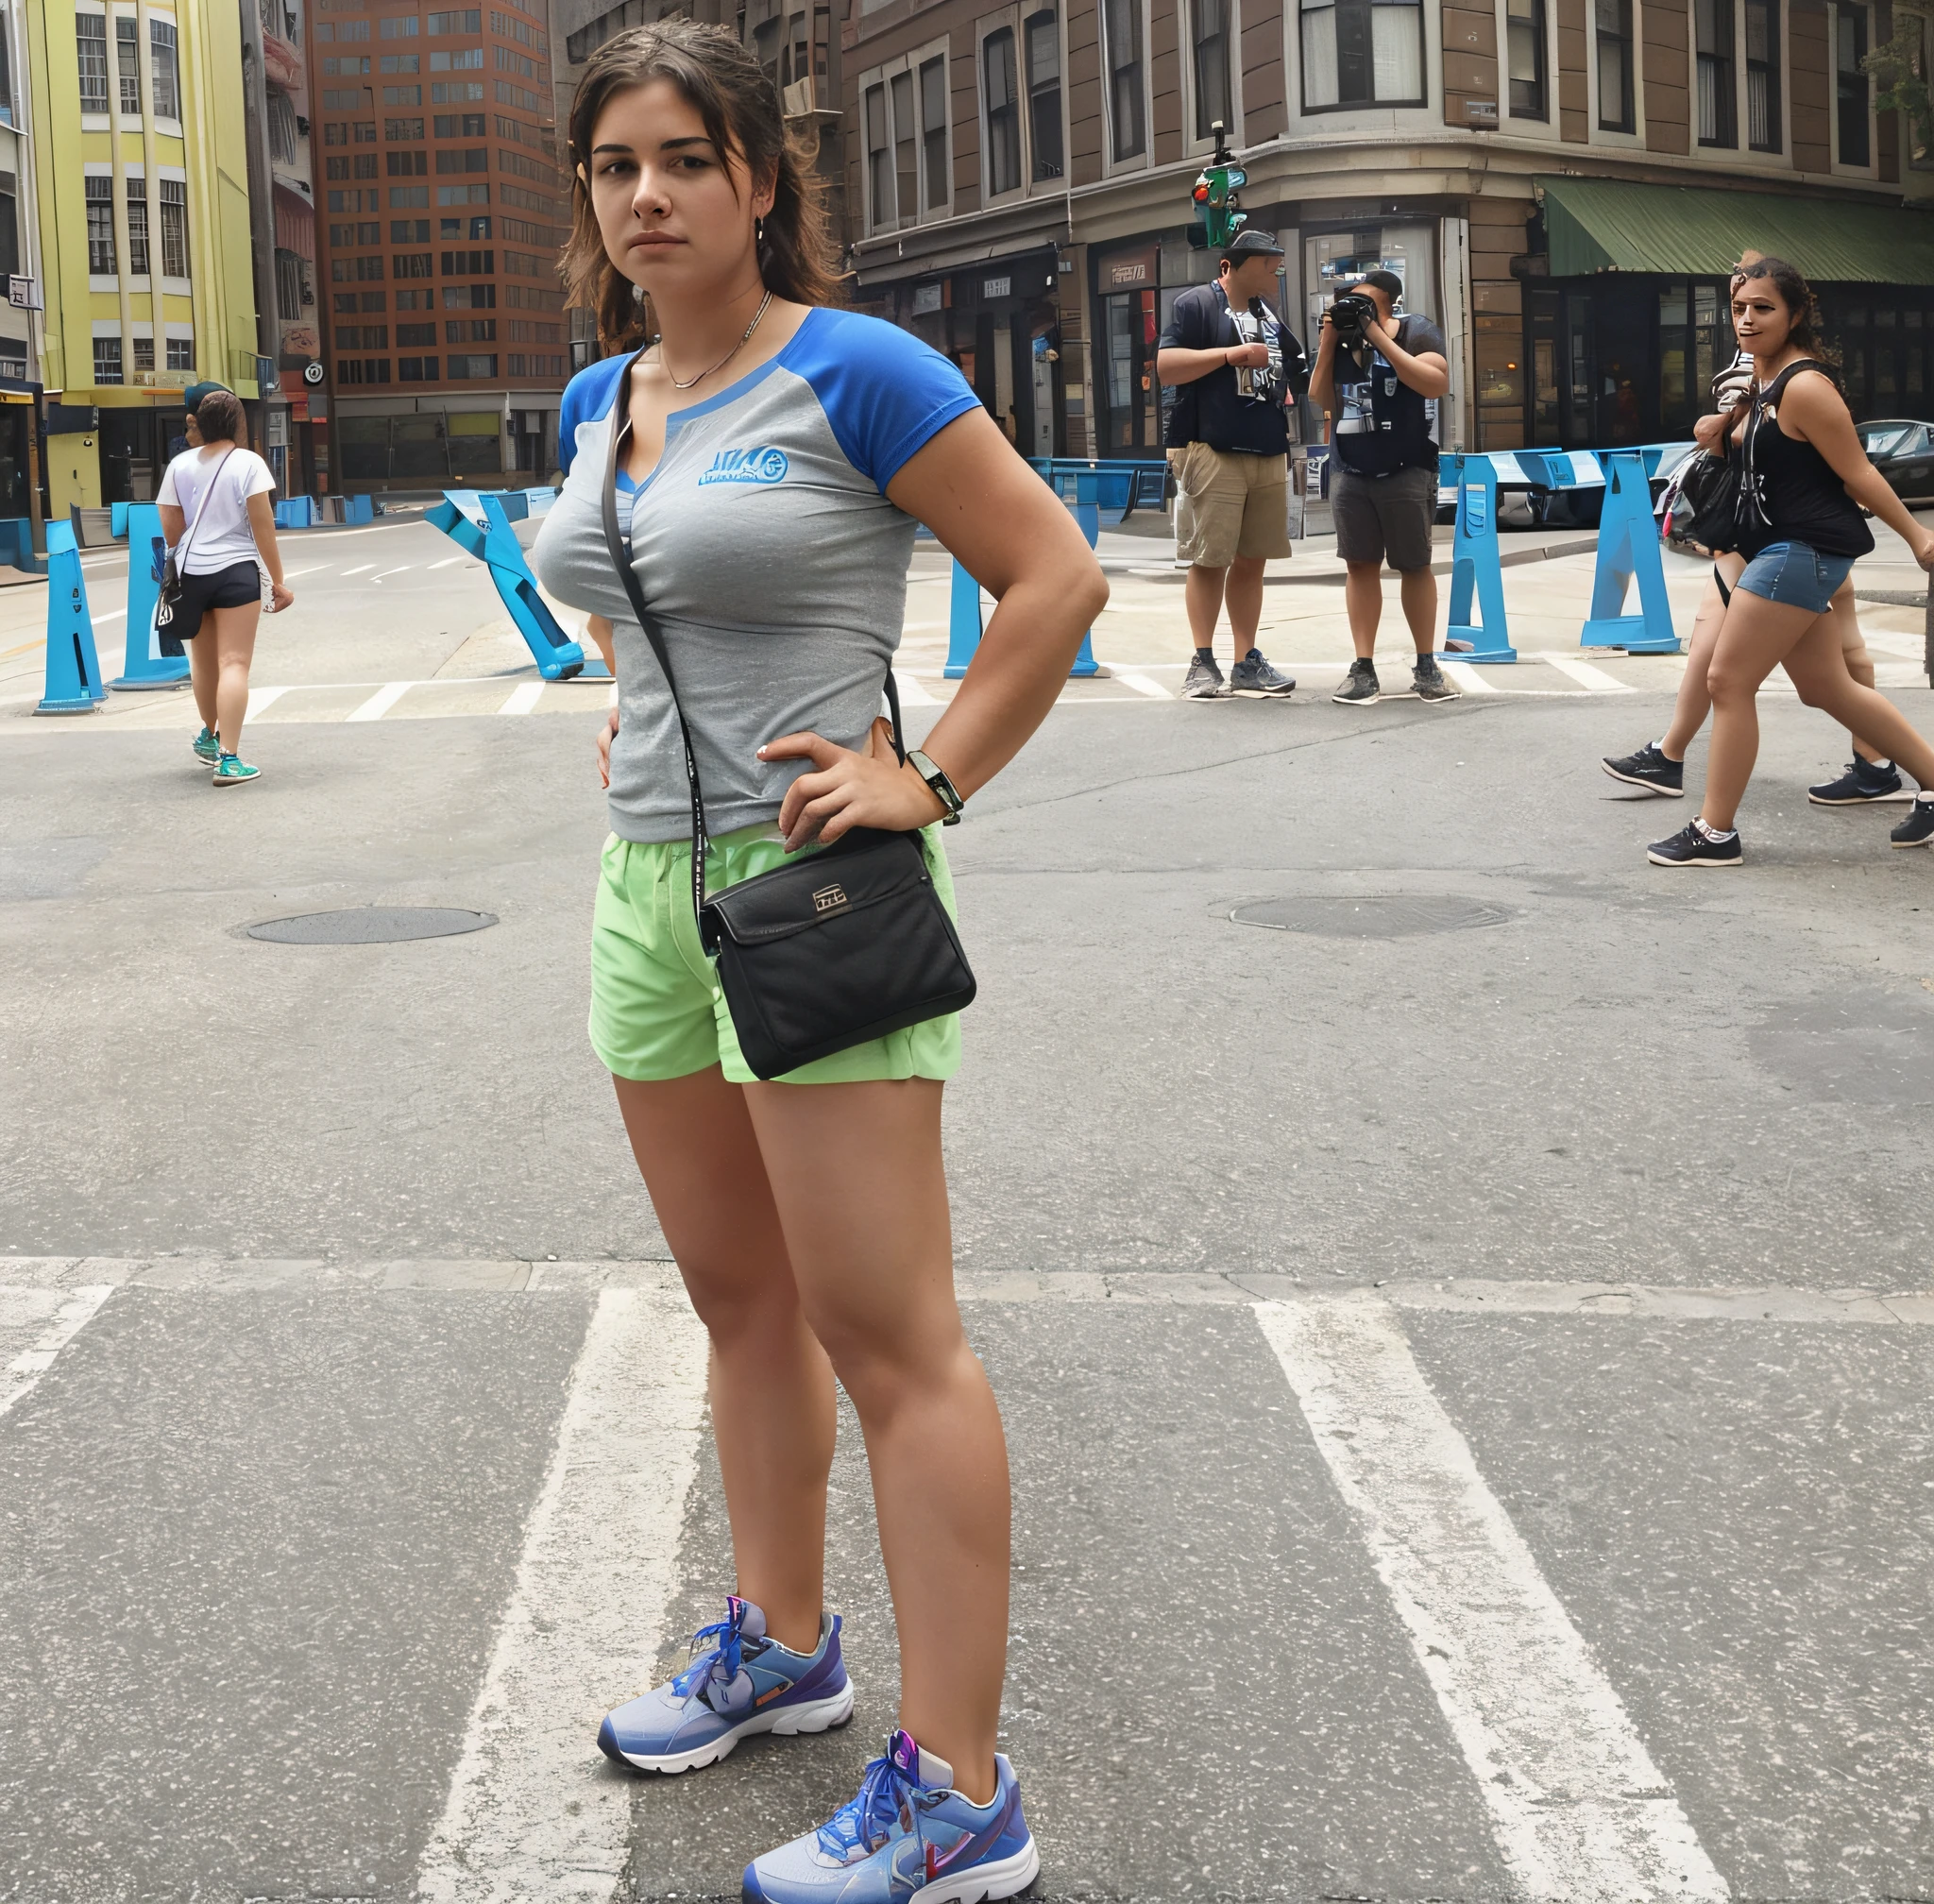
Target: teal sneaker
pixel 233 771
pixel 208 750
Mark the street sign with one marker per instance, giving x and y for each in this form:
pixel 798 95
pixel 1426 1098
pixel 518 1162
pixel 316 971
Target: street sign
pixel 311 373
pixel 23 294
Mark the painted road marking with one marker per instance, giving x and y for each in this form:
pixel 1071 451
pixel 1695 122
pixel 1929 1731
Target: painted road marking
pixel 381 702
pixel 1577 1806
pixel 523 697
pixel 361 569
pixel 260 699
pixel 1462 675
pixel 401 569
pixel 61 1321
pixel 1585 674
pixel 913 692
pixel 533 1812
pixel 451 561
pixel 313 569
pixel 1140 683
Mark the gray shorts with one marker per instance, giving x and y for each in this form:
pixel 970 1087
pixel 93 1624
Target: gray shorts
pixel 1379 517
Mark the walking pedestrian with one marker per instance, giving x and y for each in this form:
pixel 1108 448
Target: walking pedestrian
pixel 220 528
pixel 1660 766
pixel 1806 478
pixel 771 458
pixel 1382 396
pixel 1235 368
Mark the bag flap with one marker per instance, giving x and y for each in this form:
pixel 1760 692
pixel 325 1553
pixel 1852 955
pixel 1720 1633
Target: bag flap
pixel 823 886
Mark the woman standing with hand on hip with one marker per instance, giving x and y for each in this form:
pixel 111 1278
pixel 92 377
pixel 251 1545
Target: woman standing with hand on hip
pixel 220 528
pixel 772 456
pixel 1805 462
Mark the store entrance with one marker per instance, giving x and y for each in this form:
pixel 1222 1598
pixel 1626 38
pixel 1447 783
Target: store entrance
pixel 1132 408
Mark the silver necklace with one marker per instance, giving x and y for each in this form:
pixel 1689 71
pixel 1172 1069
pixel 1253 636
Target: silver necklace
pixel 724 360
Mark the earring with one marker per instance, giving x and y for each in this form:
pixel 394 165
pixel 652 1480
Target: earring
pixel 758 231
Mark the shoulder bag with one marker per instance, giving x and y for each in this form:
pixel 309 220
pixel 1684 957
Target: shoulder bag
pixel 837 948
pixel 171 576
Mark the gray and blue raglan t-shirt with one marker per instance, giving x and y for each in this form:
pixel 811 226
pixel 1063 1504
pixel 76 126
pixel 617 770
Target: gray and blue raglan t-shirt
pixel 765 545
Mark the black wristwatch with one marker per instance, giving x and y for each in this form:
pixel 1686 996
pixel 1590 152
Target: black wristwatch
pixel 944 788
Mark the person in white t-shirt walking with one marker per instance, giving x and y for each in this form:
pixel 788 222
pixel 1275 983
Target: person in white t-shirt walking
pixel 220 527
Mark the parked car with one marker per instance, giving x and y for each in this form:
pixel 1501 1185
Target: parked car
pixel 1903 451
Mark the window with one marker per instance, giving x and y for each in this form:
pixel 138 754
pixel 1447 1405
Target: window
pixel 6 83
pixel 402 27
pixel 1713 28
pixel 463 195
pixel 416 334
pixel 106 360
pixel 879 160
pixel 464 20
pixel 415 301
pixel 1122 20
pixel 470 158
pixel 335 133
pixel 1001 104
pixel 365 165
pixel 128 59
pixel 137 228
pixel 508 61
pixel 288 286
pixel 408 165
pixel 472 366
pixel 365 133
pixel 352 270
pixel 456 92
pixel 9 225
pixel 468 264
pixel 397 63
pixel 403 197
pixel 402 95
pixel 454 227
pixel 144 355
pixel 1850 45
pixel 361 370
pixel 369 301
pixel 342 98
pixel 1614 24
pixel 1363 52
pixel 402 129
pixel 362 336
pixel 90 42
pixel 100 225
pixel 411 264
pixel 1044 95
pixel 415 370
pixel 1525 25
pixel 1209 24
pixel 458 60
pixel 470 330
pixel 345 67
pixel 283 139
pixel 472 297
pixel 181 353
pixel 933 130
pixel 470 126
pixel 408 231
pixel 349 30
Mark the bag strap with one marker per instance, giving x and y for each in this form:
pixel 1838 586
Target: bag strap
pixel 619 545
pixel 182 557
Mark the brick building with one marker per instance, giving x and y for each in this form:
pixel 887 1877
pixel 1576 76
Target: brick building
pixel 1560 183
pixel 439 223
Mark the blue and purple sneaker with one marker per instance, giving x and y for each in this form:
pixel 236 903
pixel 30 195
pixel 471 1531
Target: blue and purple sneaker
pixel 740 1684
pixel 907 1834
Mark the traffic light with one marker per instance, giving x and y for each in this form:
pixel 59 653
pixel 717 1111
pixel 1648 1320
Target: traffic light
pixel 1218 211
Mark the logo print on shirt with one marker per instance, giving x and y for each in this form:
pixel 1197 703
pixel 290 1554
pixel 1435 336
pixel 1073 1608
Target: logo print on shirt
pixel 747 465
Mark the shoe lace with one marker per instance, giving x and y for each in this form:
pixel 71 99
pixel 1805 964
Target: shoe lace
pixel 719 1663
pixel 863 1822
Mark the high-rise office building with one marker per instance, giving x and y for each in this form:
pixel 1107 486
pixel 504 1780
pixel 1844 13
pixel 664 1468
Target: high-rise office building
pixel 439 228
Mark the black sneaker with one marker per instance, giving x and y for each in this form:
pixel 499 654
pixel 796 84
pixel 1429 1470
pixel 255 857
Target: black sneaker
pixel 1650 769
pixel 1254 679
pixel 1917 829
pixel 1359 686
pixel 1427 683
pixel 1203 682
pixel 1691 847
pixel 1863 781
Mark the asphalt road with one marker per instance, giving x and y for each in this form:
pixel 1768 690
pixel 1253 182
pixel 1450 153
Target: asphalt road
pixel 334 1324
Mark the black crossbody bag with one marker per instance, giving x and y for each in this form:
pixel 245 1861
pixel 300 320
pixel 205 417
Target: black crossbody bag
pixel 838 948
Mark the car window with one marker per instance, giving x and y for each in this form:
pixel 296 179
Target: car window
pixel 1886 439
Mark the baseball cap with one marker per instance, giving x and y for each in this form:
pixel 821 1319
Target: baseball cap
pixel 192 397
pixel 1250 242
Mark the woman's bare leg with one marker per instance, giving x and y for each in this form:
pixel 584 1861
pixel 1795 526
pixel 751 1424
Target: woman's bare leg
pixel 1818 667
pixel 1694 702
pixel 862 1197
pixel 204 670
pixel 231 631
pixel 1847 622
pixel 771 1386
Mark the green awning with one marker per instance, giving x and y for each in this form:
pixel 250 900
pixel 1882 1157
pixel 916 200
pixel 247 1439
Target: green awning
pixel 1607 225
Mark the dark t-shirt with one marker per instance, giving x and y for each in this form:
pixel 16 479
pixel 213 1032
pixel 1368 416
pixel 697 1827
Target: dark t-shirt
pixel 1382 424
pixel 1233 409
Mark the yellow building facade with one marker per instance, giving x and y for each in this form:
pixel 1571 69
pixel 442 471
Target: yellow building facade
pixel 141 179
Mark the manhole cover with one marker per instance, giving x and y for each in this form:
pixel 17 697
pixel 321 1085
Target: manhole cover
pixel 1372 916
pixel 371 926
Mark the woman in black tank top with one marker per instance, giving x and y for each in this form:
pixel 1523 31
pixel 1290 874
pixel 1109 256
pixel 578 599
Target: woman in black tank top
pixel 1806 474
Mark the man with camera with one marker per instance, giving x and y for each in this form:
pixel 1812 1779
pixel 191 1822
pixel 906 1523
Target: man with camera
pixel 1380 376
pixel 1234 365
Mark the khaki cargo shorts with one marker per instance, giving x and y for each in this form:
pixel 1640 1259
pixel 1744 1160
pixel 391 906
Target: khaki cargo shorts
pixel 1229 504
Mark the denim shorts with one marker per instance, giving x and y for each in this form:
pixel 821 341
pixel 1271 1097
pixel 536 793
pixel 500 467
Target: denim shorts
pixel 1795 575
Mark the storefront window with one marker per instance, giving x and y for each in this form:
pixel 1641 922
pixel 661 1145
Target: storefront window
pixel 1362 53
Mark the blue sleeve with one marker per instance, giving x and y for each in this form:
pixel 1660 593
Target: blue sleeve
pixel 587 398
pixel 886 395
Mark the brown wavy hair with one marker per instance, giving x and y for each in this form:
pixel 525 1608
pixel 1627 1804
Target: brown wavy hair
pixel 1797 295
pixel 739 104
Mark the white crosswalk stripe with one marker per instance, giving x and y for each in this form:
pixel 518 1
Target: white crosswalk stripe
pixel 381 702
pixel 51 1318
pixel 1585 673
pixel 1462 675
pixel 260 699
pixel 523 697
pixel 1141 684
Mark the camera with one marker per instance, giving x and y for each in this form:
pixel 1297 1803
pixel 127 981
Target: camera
pixel 1349 313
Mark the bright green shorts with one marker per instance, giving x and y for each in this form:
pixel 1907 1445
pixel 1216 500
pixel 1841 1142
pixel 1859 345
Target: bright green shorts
pixel 657 1009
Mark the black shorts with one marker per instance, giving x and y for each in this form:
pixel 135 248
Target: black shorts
pixel 234 586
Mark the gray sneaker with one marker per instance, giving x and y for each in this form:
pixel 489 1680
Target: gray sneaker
pixel 1427 683
pixel 1204 681
pixel 1359 686
pixel 1254 677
